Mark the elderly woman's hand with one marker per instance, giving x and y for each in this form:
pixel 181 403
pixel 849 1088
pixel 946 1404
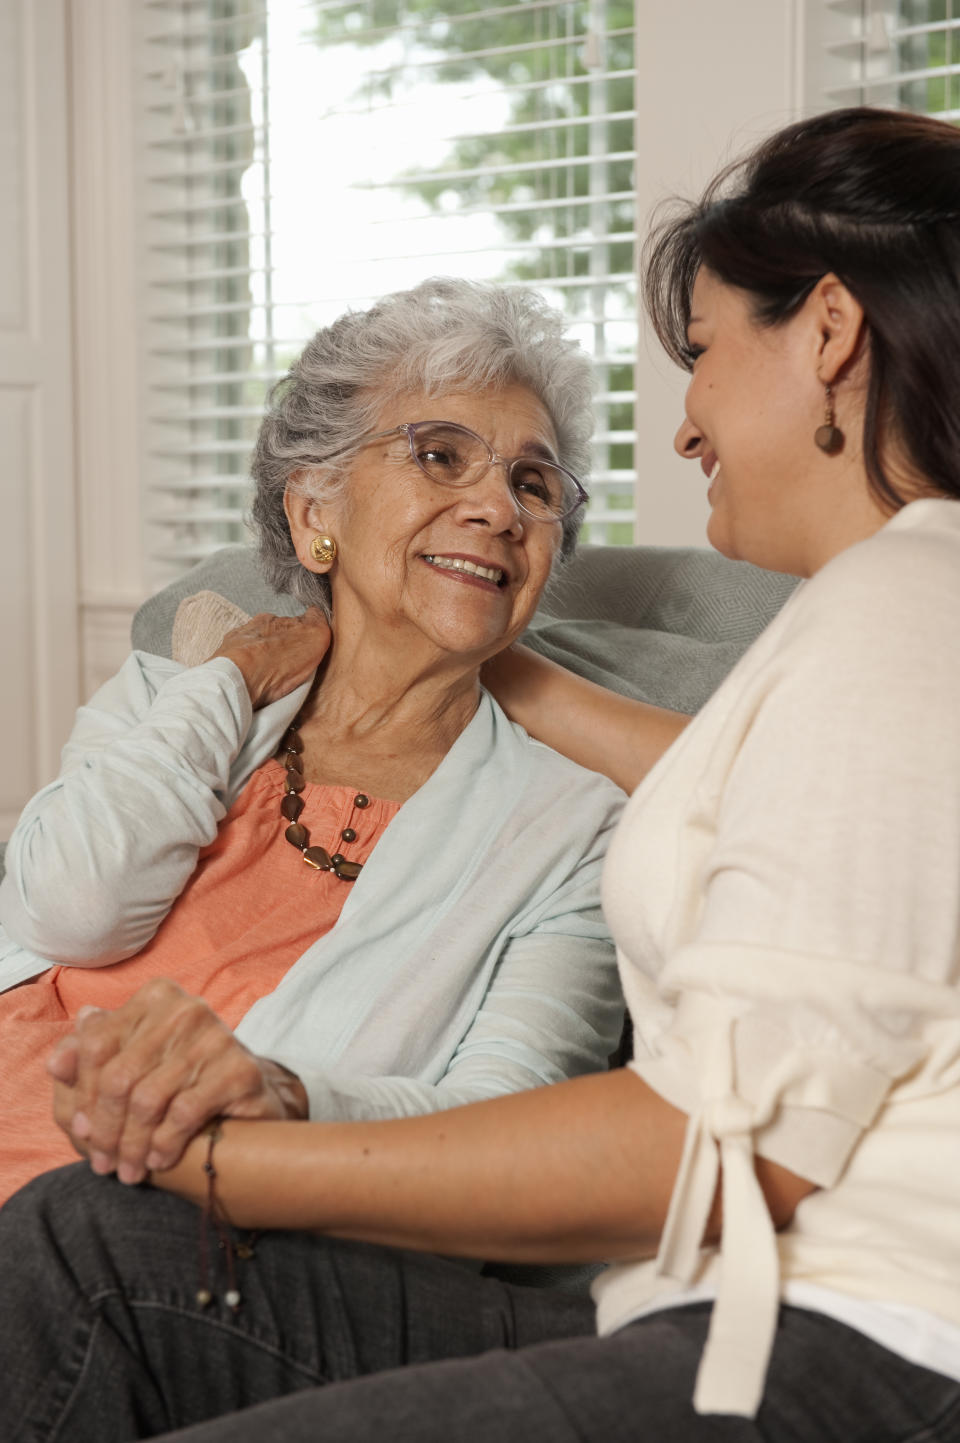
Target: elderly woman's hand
pixel 136 1084
pixel 277 653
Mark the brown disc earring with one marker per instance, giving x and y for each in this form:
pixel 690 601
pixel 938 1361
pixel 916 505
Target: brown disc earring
pixel 323 549
pixel 829 437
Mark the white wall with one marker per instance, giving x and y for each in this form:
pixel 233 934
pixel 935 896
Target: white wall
pixel 104 206
pixel 39 671
pixel 71 568
pixel 713 76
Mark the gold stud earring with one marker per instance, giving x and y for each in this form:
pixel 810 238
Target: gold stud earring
pixel 829 437
pixel 323 549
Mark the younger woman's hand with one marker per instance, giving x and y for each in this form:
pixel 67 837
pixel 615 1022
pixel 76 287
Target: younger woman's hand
pixel 277 653
pixel 134 1085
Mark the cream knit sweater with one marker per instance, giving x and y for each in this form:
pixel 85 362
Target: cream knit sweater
pixel 785 892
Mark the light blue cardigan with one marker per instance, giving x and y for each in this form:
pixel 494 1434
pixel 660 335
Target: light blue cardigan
pixel 470 958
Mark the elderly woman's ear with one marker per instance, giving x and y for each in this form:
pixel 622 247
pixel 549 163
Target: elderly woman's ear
pixel 305 527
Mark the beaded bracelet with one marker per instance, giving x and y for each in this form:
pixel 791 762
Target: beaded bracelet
pixel 211 1215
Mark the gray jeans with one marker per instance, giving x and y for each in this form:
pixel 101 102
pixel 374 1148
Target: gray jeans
pixel 102 1340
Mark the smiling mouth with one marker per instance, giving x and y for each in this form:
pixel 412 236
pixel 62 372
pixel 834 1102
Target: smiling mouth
pixel 472 568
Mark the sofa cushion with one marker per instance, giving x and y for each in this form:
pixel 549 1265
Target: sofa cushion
pixel 663 624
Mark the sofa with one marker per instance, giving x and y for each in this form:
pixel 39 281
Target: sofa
pixel 662 624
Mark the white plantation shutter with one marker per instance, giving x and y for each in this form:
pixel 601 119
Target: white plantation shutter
pixel 303 156
pixel 900 54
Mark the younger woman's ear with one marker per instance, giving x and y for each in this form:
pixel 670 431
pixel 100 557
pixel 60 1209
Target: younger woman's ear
pixel 304 521
pixel 840 326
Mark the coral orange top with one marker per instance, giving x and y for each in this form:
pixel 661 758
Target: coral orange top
pixel 250 910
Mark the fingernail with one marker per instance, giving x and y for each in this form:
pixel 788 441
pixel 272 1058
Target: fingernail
pixel 128 1172
pixel 88 1010
pixel 101 1163
pixel 80 1127
pixel 155 1161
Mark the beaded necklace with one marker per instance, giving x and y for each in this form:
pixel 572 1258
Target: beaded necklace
pixel 291 755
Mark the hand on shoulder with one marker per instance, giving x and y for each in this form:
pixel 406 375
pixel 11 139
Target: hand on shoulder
pixel 275 654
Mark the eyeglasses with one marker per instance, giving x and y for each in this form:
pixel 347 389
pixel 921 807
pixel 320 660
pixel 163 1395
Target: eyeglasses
pixel 452 455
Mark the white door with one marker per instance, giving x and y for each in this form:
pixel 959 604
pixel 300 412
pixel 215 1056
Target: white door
pixel 38 591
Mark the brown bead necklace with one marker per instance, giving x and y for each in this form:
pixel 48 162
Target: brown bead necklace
pixel 291 755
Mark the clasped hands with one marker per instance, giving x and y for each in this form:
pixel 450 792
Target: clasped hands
pixel 132 1086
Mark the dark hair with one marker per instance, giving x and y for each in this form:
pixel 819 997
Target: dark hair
pixel 874 197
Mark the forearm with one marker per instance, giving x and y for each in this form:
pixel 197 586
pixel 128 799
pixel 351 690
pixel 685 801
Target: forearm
pixel 601 730
pixel 567 1173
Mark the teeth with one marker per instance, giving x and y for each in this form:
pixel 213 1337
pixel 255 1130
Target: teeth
pixel 456 563
pixel 715 471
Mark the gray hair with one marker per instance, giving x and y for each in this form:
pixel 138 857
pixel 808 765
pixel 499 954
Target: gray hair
pixel 442 335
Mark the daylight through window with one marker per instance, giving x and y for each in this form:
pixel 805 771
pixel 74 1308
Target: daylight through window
pixel 306 157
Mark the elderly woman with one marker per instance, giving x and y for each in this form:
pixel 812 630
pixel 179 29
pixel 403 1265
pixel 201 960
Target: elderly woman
pixel 385 894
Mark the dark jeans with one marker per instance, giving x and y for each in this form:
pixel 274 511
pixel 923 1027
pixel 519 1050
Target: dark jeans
pixel 101 1339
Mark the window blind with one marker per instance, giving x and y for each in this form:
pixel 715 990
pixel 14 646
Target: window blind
pixel 300 158
pixel 900 54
